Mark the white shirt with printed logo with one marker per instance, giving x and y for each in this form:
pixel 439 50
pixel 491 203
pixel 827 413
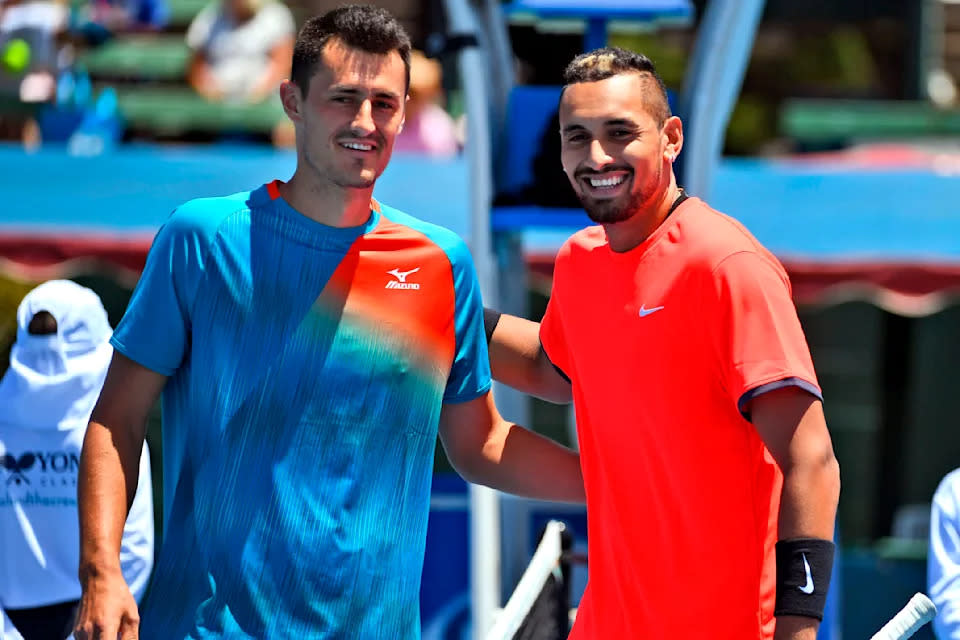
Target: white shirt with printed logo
pixel 39 528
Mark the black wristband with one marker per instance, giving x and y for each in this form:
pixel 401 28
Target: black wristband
pixel 490 320
pixel 804 566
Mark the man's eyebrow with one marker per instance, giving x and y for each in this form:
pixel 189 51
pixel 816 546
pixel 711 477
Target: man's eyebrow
pixel 354 91
pixel 613 122
pixel 387 94
pixel 573 127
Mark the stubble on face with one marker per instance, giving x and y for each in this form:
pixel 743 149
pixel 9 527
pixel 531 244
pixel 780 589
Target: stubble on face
pixel 611 211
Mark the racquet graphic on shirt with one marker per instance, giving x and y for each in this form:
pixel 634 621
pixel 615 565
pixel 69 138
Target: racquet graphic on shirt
pixel 918 612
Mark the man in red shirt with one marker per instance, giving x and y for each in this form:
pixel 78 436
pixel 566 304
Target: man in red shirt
pixel 710 476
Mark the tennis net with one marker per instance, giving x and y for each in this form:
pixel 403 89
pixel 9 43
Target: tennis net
pixel 539 608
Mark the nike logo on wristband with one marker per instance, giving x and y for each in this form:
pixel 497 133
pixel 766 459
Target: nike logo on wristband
pixel 807 588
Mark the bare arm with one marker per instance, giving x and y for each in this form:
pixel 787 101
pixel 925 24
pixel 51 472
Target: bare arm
pixel 201 78
pixel 518 360
pixel 109 469
pixel 790 421
pixel 486 449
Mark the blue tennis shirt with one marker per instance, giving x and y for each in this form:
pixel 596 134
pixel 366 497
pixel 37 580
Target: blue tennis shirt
pixel 307 368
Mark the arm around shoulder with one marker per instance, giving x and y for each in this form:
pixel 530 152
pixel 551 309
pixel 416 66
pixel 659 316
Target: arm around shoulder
pixel 517 358
pixel 486 449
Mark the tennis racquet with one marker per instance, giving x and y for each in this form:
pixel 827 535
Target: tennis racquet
pixel 918 612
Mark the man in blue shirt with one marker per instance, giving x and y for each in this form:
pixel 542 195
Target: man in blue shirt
pixel 309 344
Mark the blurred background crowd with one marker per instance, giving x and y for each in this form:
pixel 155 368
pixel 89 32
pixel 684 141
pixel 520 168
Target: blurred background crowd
pixel 132 60
pixel 166 70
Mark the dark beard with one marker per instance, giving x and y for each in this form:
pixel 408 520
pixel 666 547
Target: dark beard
pixel 619 209
pixel 612 211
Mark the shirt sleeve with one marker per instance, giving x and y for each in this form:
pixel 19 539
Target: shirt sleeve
pixel 470 374
pixel 756 334
pixel 943 559
pixel 198 33
pixel 552 339
pixel 279 23
pixel 155 329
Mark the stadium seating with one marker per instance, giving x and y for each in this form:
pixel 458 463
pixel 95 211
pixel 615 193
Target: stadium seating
pixel 177 110
pixel 154 57
pixel 834 122
pixel 149 73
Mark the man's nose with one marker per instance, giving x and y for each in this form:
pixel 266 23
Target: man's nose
pixel 598 157
pixel 363 124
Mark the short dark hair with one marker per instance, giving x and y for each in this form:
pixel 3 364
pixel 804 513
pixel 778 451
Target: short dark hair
pixel 607 62
pixel 365 27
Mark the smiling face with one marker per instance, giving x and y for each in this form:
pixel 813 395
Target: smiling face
pixel 353 110
pixel 615 153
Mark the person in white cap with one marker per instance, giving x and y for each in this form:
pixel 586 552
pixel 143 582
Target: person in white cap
pixel 57 367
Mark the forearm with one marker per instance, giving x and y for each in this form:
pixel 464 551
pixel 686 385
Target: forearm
pixel 109 467
pixel 519 461
pixel 808 501
pixel 808 507
pixel 201 79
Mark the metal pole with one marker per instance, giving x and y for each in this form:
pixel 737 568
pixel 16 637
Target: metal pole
pixel 484 502
pixel 595 36
pixel 719 62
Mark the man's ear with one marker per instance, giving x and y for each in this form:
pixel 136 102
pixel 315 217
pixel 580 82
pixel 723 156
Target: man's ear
pixel 403 120
pixel 292 100
pixel 672 130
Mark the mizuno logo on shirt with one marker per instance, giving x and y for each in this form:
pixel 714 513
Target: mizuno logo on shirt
pixel 807 588
pixel 645 312
pixel 401 279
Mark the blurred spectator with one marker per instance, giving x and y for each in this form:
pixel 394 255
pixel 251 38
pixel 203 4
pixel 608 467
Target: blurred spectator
pixel 428 128
pixel 57 366
pixel 943 557
pixel 241 49
pixel 96 21
pixel 29 47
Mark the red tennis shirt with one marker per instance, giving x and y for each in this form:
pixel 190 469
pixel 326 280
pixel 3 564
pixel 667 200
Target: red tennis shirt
pixel 665 345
